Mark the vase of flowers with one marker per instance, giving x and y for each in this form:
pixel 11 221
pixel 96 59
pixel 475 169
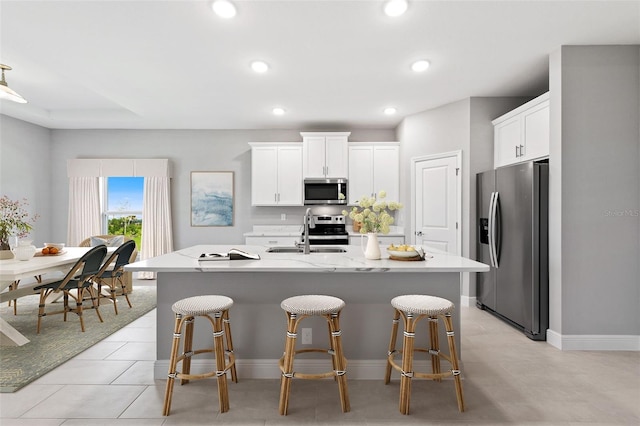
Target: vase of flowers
pixel 373 213
pixel 14 220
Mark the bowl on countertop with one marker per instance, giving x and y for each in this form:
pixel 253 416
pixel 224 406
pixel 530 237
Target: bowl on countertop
pixel 408 252
pixel 396 253
pixel 59 246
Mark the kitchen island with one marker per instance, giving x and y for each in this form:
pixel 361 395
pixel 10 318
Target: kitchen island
pixel 258 286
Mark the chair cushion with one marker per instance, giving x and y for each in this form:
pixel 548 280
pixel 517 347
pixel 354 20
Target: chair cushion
pixel 422 304
pixel 312 304
pixel 116 241
pixel 202 305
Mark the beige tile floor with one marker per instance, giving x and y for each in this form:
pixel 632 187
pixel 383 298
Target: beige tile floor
pixel 508 379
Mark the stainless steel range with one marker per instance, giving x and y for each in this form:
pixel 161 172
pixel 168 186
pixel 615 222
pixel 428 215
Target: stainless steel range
pixel 327 230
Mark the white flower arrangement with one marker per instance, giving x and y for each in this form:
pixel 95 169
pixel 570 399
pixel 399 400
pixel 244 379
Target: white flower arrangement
pixel 373 213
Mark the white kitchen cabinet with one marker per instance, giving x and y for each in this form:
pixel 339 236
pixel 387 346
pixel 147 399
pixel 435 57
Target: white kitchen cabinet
pixel 271 241
pixel 374 167
pixel 383 240
pixel 522 134
pixel 276 174
pixel 325 154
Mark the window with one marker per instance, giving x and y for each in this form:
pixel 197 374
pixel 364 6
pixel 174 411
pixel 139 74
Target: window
pixel 122 207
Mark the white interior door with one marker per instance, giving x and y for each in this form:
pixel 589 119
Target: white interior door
pixel 437 203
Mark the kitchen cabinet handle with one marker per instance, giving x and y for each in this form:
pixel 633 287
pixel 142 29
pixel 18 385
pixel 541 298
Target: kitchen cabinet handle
pixel 521 150
pixel 275 197
pixel 517 151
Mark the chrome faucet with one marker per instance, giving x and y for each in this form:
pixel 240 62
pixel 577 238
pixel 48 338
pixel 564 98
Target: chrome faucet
pixel 308 223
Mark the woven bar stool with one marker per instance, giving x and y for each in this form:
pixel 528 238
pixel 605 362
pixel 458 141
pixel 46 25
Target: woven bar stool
pixel 413 308
pixel 297 308
pixel 216 310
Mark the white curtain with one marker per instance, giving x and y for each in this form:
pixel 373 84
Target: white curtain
pixel 157 234
pixel 84 209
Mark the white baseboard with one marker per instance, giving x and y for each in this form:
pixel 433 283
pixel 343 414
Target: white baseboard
pixel 467 300
pixel 269 369
pixel 593 342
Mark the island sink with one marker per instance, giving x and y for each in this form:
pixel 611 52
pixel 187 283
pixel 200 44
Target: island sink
pixel 301 250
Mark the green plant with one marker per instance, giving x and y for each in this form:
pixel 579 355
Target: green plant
pixel 373 213
pixel 14 219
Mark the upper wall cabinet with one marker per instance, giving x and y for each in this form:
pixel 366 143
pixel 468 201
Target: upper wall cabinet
pixel 522 134
pixel 276 174
pixel 324 154
pixel 374 167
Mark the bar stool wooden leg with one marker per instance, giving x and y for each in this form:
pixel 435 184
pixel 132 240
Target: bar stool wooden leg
pixel 289 354
pixel 434 349
pixel 227 334
pixel 187 347
pixel 339 360
pixel 331 346
pixel 173 360
pixel 218 342
pixel 448 323
pixel 392 344
pixel 407 362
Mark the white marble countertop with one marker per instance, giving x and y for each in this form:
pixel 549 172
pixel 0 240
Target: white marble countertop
pixel 186 260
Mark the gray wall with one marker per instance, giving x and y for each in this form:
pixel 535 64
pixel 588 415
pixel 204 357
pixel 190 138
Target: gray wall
pixel 595 200
pixel 463 125
pixel 42 162
pixel 25 171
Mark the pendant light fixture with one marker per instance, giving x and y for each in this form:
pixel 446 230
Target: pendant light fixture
pixel 5 92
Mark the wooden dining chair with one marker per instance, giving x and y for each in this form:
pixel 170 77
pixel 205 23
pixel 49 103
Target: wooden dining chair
pixel 111 274
pixel 79 278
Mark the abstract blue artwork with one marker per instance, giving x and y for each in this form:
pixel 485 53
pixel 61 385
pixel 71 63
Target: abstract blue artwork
pixel 211 198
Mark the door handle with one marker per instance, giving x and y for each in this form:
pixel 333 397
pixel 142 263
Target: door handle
pixel 418 233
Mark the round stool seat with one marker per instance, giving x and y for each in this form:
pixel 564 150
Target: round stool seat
pixel 422 304
pixel 312 304
pixel 202 305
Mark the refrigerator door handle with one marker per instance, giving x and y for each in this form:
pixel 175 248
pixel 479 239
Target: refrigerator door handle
pixel 493 207
pixel 496 238
pixel 492 256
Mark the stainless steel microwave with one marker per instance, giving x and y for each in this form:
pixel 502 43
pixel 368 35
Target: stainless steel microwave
pixel 325 191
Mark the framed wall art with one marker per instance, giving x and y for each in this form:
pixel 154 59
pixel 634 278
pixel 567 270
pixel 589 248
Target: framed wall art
pixel 212 198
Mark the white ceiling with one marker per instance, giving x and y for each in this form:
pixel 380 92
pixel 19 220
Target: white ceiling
pixel 150 64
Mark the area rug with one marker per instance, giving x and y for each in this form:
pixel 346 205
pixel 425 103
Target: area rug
pixel 60 341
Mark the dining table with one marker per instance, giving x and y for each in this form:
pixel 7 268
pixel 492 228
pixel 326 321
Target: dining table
pixel 12 271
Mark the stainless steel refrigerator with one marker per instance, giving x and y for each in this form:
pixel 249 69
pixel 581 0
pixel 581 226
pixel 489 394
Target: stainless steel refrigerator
pixel 512 206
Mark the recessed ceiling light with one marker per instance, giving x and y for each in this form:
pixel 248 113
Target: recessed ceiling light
pixel 390 110
pixel 395 8
pixel 259 66
pixel 278 111
pixel 224 8
pixel 420 66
